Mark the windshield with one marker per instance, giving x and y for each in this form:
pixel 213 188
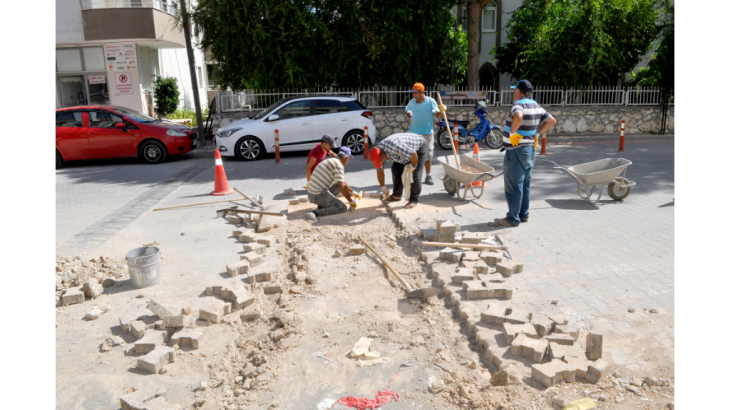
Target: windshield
pixel 135 115
pixel 266 112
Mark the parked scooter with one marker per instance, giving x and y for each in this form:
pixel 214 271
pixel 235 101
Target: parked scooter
pixel 491 134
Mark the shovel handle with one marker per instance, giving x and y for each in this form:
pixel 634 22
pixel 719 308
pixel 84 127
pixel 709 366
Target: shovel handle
pixel 464 245
pixel 387 265
pixel 247 197
pixel 451 138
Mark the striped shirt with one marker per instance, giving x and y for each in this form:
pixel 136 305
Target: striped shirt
pixel 327 173
pixel 532 116
pixel 400 147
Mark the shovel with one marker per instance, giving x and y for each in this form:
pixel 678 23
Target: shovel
pixel 423 293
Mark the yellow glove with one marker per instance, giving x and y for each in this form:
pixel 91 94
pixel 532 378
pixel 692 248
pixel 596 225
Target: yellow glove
pixel 442 108
pixel 385 191
pixel 306 187
pixel 536 136
pixel 515 139
pixel 359 197
pixel 353 205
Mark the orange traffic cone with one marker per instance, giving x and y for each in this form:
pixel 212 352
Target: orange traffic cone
pixel 476 158
pixel 221 183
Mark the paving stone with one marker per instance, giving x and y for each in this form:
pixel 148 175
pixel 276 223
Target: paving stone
pixel 155 360
pixel 526 346
pixel 511 331
pixel 447 227
pixel 238 295
pixel 125 323
pixel 258 277
pixel 571 330
pixel 462 275
pixel 213 312
pixel 234 219
pixel 138 328
pixel 473 237
pixel 253 258
pixel 491 257
pixel 446 237
pixel 188 337
pixel 428 235
pixel 552 373
pixel 475 289
pixel 238 268
pixel 138 399
pixel 151 339
pixel 255 247
pixel 160 403
pixel 495 315
pixel 289 191
pixel 265 240
pixel 450 254
pixel 561 339
pixel 481 267
pixel 356 250
pixel 213 290
pixel 543 324
pixel 251 226
pixel 294 201
pixel 467 264
pixel 470 256
pixel 594 346
pixel 242 231
pixel 596 370
pixel 158 309
pixel 262 224
pixel 178 321
pixel 271 288
pixel 72 296
pixel 558 351
pixel 508 267
pixel 248 237
pixel 429 257
pixel 518 316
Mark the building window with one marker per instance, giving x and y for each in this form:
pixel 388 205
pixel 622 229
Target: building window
pixel 489 17
pixel 94 59
pixel 68 59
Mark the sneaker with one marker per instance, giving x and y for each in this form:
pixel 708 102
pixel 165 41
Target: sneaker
pixel 502 222
pixel 429 180
pixel 311 216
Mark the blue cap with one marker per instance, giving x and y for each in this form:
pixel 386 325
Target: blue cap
pixel 524 86
pixel 345 152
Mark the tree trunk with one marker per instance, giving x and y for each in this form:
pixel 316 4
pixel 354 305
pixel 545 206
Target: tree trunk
pixel 193 76
pixel 473 10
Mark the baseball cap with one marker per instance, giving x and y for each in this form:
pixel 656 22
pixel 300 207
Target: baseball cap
pixel 328 138
pixel 374 155
pixel 345 152
pixel 524 86
pixel 418 87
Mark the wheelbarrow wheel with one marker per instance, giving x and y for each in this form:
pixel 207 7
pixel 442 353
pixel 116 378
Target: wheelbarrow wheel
pixel 451 186
pixel 617 191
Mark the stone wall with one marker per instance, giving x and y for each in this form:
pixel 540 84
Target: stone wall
pixel 571 120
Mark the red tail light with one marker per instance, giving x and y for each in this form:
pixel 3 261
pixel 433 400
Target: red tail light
pixel 367 114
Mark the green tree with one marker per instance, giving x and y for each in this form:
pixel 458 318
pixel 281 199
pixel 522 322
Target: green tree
pixel 575 43
pixel 167 96
pixel 321 43
pixel 660 70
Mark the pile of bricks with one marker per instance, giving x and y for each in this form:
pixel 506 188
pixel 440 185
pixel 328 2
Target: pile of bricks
pixel 155 336
pixel 260 267
pixel 478 285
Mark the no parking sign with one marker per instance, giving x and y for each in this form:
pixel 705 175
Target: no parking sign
pixel 124 83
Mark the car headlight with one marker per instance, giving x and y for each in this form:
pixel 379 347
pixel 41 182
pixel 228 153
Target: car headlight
pixel 227 133
pixel 176 133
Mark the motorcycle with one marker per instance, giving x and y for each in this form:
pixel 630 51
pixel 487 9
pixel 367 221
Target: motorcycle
pixel 491 134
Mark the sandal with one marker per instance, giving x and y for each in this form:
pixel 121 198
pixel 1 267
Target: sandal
pixel 392 199
pixel 411 205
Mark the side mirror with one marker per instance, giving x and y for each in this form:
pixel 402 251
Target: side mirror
pixel 121 126
pixel 273 117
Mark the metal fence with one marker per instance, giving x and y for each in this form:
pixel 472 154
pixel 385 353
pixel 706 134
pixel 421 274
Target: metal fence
pixel 165 6
pixel 392 97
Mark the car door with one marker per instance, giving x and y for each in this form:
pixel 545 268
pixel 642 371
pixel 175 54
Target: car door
pixel 105 139
pixel 72 137
pixel 330 117
pixel 294 125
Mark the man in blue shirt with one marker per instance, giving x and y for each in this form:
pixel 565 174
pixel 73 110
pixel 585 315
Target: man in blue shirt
pixel 422 109
pixel 527 120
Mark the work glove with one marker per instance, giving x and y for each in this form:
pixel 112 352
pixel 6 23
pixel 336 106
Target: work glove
pixel 442 108
pixel 515 139
pixel 359 197
pixel 409 169
pixel 306 186
pixel 353 206
pixel 536 136
pixel 385 191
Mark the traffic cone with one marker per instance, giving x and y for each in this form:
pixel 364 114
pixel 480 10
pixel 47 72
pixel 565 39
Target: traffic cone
pixel 476 158
pixel 221 183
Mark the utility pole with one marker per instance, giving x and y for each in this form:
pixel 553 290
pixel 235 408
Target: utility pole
pixel 193 77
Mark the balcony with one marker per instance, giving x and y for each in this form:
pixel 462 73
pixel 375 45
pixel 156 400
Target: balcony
pixel 132 20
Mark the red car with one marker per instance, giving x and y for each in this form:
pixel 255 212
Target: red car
pixel 108 131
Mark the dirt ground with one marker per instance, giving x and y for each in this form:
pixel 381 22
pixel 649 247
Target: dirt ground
pixel 298 356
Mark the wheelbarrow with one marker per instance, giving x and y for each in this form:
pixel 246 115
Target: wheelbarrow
pixel 456 179
pixel 588 176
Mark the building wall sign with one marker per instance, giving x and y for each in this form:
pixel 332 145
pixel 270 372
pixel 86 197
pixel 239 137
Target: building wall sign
pixel 120 56
pixel 124 83
pixel 97 79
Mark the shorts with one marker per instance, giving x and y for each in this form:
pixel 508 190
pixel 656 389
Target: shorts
pixel 429 145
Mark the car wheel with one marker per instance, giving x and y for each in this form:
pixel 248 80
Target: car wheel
pixel 355 140
pixel 249 149
pixel 59 160
pixel 153 152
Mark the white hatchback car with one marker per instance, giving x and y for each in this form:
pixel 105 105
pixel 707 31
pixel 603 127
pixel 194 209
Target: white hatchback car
pixel 301 121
